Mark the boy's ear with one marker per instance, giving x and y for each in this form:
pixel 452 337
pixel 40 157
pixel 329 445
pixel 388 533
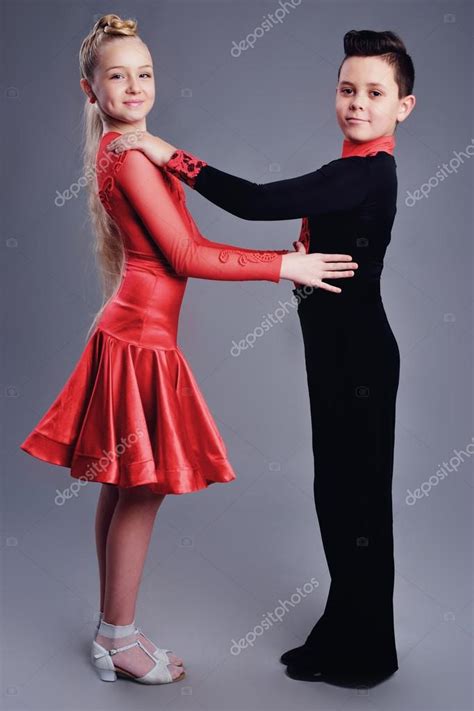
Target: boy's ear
pixel 407 104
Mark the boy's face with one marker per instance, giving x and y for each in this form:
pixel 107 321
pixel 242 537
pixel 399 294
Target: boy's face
pixel 367 103
pixel 125 75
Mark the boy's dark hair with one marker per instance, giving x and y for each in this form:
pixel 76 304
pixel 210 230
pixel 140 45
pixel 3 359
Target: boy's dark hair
pixel 367 43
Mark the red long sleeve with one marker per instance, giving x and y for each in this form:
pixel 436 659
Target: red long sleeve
pixel 190 254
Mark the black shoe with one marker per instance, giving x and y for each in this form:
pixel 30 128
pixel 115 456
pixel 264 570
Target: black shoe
pixel 312 672
pixel 296 655
pixel 304 672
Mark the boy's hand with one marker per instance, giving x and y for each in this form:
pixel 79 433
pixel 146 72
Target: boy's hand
pixel 157 150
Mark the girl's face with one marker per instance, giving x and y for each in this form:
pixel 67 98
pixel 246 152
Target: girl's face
pixel 124 84
pixel 367 103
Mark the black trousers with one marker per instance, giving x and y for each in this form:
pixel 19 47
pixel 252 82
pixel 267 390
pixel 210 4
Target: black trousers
pixel 352 365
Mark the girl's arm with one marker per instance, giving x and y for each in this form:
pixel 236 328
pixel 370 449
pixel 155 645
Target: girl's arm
pixel 143 184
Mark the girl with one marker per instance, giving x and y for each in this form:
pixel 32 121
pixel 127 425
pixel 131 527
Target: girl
pixel 352 357
pixel 131 414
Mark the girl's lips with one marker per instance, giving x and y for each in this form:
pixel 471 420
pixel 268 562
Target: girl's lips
pixel 133 103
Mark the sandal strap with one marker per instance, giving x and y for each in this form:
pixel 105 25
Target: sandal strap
pixel 114 650
pixel 142 646
pixel 139 630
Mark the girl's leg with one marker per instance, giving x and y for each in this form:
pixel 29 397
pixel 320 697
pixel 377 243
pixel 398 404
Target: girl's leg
pixel 126 547
pixel 106 503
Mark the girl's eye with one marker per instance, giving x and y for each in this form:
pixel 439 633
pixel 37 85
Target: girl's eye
pixel 142 74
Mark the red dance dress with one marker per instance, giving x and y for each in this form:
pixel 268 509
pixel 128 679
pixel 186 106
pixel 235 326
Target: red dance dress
pixel 131 412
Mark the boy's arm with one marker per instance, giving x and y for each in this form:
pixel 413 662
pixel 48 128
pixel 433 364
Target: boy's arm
pixel 339 185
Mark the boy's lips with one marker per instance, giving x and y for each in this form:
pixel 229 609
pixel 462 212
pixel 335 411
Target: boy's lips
pixel 352 119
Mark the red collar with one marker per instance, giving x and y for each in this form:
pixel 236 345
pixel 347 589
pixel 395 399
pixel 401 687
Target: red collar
pixel 368 148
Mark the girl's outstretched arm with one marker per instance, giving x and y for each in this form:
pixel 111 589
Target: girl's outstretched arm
pixel 147 191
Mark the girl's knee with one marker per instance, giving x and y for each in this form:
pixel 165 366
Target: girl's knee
pixel 140 493
pixel 110 491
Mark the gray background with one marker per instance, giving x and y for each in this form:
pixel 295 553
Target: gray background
pixel 222 558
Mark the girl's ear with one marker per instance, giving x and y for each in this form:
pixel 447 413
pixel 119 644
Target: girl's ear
pixel 86 88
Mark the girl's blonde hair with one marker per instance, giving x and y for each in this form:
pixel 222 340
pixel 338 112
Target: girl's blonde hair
pixel 108 245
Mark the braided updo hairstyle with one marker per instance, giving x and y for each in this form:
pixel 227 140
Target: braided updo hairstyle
pixel 108 246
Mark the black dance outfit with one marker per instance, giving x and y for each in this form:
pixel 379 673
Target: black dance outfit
pixel 352 365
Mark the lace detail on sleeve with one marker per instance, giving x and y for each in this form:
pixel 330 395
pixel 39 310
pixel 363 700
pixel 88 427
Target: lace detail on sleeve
pixel 185 166
pixel 104 192
pixel 245 257
pixel 108 184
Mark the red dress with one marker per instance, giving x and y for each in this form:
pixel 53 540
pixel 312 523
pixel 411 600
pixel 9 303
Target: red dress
pixel 131 412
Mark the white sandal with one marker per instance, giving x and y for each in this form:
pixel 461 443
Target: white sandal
pixel 102 661
pixel 159 653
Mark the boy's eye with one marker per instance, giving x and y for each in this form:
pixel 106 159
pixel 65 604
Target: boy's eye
pixel 374 91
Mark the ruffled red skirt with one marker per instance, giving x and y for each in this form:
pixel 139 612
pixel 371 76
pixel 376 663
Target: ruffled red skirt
pixel 132 414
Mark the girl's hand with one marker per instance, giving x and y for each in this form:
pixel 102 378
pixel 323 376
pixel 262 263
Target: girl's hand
pixel 299 247
pixel 310 269
pixel 157 150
